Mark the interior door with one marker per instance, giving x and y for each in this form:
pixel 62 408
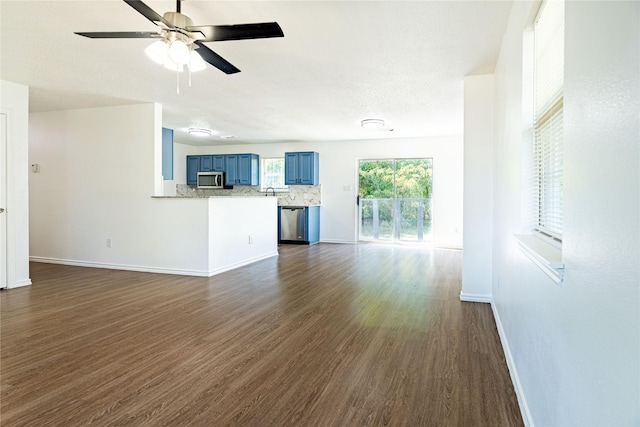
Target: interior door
pixel 3 200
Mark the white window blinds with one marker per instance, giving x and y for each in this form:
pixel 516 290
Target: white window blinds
pixel 548 98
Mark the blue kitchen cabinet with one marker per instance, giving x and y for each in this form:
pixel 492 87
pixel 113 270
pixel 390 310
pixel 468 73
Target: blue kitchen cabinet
pixel 291 161
pixel 218 163
pixel 231 169
pixel 313 224
pixel 301 168
pixel 242 169
pixel 206 163
pixel 193 167
pixel 239 169
pixel 212 163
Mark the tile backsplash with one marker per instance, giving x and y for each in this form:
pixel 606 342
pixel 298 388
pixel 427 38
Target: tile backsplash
pixel 297 195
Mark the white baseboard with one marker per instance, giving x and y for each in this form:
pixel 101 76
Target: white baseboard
pixel 344 242
pixel 143 269
pixel 240 264
pixel 452 246
pixel 355 242
pixel 119 266
pixel 475 297
pixel 522 402
pixel 19 284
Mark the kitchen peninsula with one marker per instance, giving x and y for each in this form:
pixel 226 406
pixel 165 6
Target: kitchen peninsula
pixel 222 233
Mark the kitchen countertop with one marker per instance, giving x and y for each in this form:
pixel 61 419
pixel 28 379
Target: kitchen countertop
pixel 235 197
pixel 205 197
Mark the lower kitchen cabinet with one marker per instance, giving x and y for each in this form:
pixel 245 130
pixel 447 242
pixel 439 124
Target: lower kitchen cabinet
pixel 299 224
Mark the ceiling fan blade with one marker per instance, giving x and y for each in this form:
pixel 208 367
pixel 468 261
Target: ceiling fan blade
pixel 216 33
pixel 121 35
pixel 148 13
pixel 216 60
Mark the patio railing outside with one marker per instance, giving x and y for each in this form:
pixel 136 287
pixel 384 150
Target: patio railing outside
pixel 403 219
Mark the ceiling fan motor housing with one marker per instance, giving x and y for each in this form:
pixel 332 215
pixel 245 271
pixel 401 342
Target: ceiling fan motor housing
pixel 178 32
pixel 178 20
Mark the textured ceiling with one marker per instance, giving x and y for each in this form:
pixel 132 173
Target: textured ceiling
pixel 339 62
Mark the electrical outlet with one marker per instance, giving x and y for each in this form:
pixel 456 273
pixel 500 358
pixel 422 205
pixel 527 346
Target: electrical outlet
pixel 250 239
pixel 108 242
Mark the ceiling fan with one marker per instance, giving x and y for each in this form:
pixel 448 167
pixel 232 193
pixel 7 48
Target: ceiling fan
pixel 179 37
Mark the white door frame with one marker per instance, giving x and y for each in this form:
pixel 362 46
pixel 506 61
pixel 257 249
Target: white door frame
pixel 3 199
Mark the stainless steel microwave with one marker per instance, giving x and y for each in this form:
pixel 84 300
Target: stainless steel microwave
pixel 209 180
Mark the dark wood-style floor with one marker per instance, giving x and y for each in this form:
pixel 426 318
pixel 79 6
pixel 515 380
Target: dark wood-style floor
pixel 327 335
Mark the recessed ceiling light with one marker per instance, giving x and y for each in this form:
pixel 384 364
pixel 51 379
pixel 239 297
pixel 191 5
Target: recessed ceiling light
pixel 372 123
pixel 199 132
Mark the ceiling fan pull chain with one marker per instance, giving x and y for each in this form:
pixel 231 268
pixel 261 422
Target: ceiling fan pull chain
pixel 178 81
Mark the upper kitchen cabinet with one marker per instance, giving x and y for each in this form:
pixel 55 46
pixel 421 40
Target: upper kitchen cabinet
pixel 212 163
pixel 301 168
pixel 206 163
pixel 193 167
pixel 242 169
pixel 218 163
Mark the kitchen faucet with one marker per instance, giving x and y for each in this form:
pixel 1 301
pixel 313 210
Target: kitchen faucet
pixel 273 191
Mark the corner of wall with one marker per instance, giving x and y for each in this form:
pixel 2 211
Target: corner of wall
pixel 478 186
pixel 14 102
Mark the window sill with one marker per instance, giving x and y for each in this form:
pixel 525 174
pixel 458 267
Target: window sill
pixel 547 257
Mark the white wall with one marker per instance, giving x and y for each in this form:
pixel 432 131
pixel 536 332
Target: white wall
pixel 339 179
pixel 478 188
pixel 96 181
pixel 241 230
pixel 14 102
pixel 574 349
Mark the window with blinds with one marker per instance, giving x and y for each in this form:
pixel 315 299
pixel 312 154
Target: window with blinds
pixel 548 102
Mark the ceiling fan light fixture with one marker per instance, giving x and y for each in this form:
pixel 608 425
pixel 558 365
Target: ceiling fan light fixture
pixel 158 52
pixel 199 132
pixel 196 62
pixel 372 123
pixel 179 52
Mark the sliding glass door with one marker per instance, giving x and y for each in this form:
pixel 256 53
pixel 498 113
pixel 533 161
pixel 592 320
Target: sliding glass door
pixel 394 200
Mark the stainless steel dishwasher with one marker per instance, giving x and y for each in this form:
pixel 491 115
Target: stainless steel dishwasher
pixel 293 223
